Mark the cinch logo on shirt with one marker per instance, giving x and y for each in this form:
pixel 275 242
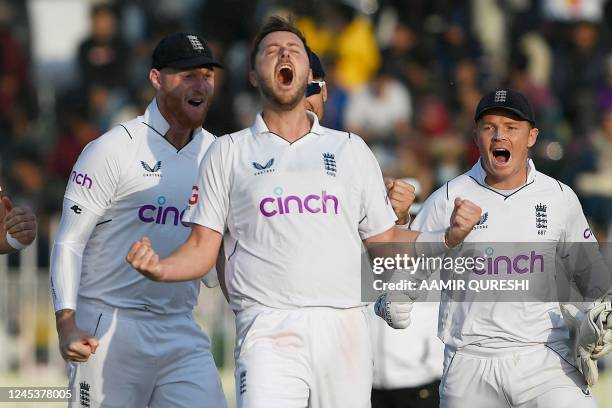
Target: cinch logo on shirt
pixel 81 179
pixel 521 263
pixel 161 215
pixel 312 203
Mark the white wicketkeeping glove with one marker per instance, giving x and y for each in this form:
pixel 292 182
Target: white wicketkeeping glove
pixel 396 314
pixel 591 334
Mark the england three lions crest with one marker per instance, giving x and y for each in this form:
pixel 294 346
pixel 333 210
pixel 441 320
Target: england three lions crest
pixel 541 218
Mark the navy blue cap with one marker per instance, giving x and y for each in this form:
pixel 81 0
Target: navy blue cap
pixel 315 64
pixel 507 99
pixel 182 51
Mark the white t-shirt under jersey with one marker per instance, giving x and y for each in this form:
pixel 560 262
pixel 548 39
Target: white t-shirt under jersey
pixel 295 214
pixel 138 184
pixel 512 219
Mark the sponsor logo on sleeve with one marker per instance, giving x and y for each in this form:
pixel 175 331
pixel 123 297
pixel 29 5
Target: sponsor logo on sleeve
pixel 587 233
pixel 82 179
pixel 76 209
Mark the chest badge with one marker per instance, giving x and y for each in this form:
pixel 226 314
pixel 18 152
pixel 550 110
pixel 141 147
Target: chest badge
pixel 263 168
pixel 482 223
pixel 329 163
pixel 541 218
pixel 151 171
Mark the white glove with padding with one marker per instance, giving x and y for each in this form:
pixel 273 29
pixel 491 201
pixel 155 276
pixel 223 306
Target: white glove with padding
pixel 591 334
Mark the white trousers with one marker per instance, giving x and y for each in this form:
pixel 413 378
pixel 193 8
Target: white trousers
pixel 525 377
pixel 144 359
pixel 313 357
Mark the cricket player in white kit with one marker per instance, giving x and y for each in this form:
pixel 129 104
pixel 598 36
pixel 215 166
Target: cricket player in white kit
pixel 296 200
pixel 508 354
pixel 132 342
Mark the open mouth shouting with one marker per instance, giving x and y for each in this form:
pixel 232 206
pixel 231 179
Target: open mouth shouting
pixel 501 156
pixel 195 102
pixel 284 74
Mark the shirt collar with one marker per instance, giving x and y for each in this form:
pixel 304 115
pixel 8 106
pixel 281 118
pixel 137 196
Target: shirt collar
pixel 479 173
pixel 259 126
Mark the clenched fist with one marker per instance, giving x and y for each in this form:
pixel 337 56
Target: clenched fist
pixel 19 222
pixel 143 258
pixel 402 196
pixel 396 314
pixel 465 216
pixel 75 344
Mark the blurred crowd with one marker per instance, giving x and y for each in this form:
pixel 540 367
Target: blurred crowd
pixel 405 75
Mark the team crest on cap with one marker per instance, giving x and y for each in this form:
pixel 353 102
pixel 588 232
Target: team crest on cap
pixel 500 96
pixel 195 42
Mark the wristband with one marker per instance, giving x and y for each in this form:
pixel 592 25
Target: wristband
pixel 14 243
pixel 430 244
pixel 405 226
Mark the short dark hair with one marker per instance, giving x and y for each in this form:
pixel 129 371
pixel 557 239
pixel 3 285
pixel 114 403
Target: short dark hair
pixel 274 24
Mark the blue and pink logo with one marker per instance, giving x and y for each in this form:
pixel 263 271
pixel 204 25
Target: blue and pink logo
pixel 161 214
pixel 311 203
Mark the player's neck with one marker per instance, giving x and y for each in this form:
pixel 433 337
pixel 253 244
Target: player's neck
pixel 179 137
pixel 290 125
pixel 510 182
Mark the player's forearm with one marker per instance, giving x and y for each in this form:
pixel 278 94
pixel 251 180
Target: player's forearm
pixel 394 235
pixel 65 274
pixel 67 255
pixel 65 318
pixel 186 263
pixel 194 258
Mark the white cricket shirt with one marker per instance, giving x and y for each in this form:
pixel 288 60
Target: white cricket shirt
pixel 138 184
pixel 295 214
pixel 541 211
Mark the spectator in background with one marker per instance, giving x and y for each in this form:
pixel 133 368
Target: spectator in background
pixel 579 68
pixel 456 43
pixel 594 180
pixel 539 94
pixel 356 50
pixel 103 59
pixel 76 131
pixel 15 88
pixel 405 46
pixel 380 112
pixel 605 89
pixel 442 145
pixel 103 56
